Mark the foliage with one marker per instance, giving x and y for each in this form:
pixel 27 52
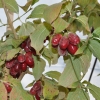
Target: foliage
pixel 68 16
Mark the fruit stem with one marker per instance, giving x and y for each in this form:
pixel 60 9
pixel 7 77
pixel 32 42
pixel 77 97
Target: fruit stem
pixel 8 18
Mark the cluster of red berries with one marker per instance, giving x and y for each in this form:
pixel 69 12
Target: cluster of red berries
pixel 19 64
pixel 36 90
pixel 66 44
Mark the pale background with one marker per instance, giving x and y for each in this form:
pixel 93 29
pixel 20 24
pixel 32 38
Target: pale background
pixel 60 65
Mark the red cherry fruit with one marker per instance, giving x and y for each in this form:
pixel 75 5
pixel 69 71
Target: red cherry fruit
pixel 8 87
pixel 37 96
pixel 10 63
pixel 28 54
pixel 74 38
pixel 17 67
pixel 55 40
pixel 27 49
pixel 24 67
pixel 62 52
pixel 72 49
pixel 21 58
pixel 33 51
pixel 32 91
pixel 64 42
pixel 29 61
pixel 37 85
pixel 12 71
pixel 23 44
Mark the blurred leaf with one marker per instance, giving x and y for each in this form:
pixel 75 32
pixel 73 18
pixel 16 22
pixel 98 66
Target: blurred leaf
pixel 3 92
pixel 90 6
pixel 59 25
pixel 38 11
pixel 11 5
pixel 67 6
pixel 81 49
pixel 94 90
pixel 50 89
pixel 52 12
pixel 34 1
pixel 84 21
pixel 18 93
pixel 38 68
pixel 27 5
pixel 94 46
pixel 30 84
pixel 53 74
pixel 26 29
pixel 1 63
pixel 85 63
pixel 78 94
pixel 38 37
pixel 68 76
pixel 96 32
pixel 83 3
pixel 54 60
pixel 47 52
pixel 10 54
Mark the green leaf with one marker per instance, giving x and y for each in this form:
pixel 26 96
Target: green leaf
pixel 78 94
pixel 38 68
pixel 94 90
pixel 1 63
pixel 85 63
pixel 47 52
pixel 53 74
pixel 3 92
pixel 84 21
pixel 18 93
pixel 96 32
pixel 38 37
pixel 52 12
pixel 94 46
pixel 11 5
pixel 30 84
pixel 27 5
pixel 67 6
pixel 50 89
pixel 34 1
pixel 81 49
pixel 10 54
pixel 38 11
pixel 68 76
pixel 26 29
pixel 59 25
pixel 83 3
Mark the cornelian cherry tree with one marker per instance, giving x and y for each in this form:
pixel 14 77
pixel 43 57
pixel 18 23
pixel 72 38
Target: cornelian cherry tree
pixel 23 48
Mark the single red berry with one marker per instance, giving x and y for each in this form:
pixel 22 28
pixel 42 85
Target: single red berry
pixel 12 71
pixel 8 87
pixel 24 67
pixel 23 44
pixel 37 96
pixel 55 40
pixel 17 67
pixel 21 58
pixel 74 38
pixel 64 42
pixel 10 63
pixel 27 49
pixel 32 91
pixel 29 61
pixel 28 54
pixel 62 52
pixel 37 85
pixel 72 49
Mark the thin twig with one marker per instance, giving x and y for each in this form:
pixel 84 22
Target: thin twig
pixel 8 18
pixel 17 17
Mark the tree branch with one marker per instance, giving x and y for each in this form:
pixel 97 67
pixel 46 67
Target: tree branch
pixel 8 18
